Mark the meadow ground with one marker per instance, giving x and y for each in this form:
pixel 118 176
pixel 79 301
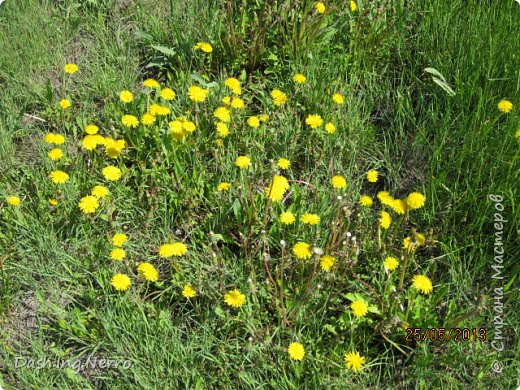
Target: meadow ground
pixel 291 186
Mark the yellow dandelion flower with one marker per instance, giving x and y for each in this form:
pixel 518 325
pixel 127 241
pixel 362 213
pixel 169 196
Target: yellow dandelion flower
pixel 319 7
pixel 263 117
pixel 148 272
pixel 299 78
pixel 117 254
pixel 277 188
pixel 415 200
pixel 366 201
pixel 103 140
pixel 90 142
pixel 223 186
pixel 283 163
pixel 422 283
pixel 154 109
pixel 119 239
pixel 126 96
pixel 188 291
pixel 372 176
pixel 88 204
pixel 338 98
pixel 314 121
pixel 391 263
pixel 354 361
pixel 65 103
pixel 197 94
pixel 385 198
pixel 338 182
pixel 222 114
pixel 302 250
pixel 408 244
pixel 121 282
pixel 70 68
pixel 222 130
pixel 14 201
pixel 296 351
pixel 330 128
pixel 55 154
pixel 59 177
pixel 173 249
pixel 53 202
pixel 147 119
pixel 189 126
pixel 412 244
pixel 167 94
pixel 279 97
pixel 100 192
pixel 310 219
pixel 243 162
pixel 91 129
pixel 327 262
pixel 399 206
pixel 505 106
pixel 157 109
pixel 237 103
pixel 359 308
pixel 49 138
pixel 111 173
pixel 59 139
pixel 113 148
pixel 226 100
pixel 253 121
pixel 235 298
pixel 130 121
pixel 385 220
pixel 234 85
pixel 203 46
pixel 176 127
pixel 287 218
pixel 151 83
pixel 353 6
pixel 517 135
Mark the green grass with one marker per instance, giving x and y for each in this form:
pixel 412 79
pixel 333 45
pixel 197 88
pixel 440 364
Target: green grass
pixel 56 300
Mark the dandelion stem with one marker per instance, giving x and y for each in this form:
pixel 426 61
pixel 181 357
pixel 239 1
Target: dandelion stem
pixel 394 344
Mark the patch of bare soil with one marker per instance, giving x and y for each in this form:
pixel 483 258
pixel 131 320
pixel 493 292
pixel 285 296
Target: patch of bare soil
pixel 21 322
